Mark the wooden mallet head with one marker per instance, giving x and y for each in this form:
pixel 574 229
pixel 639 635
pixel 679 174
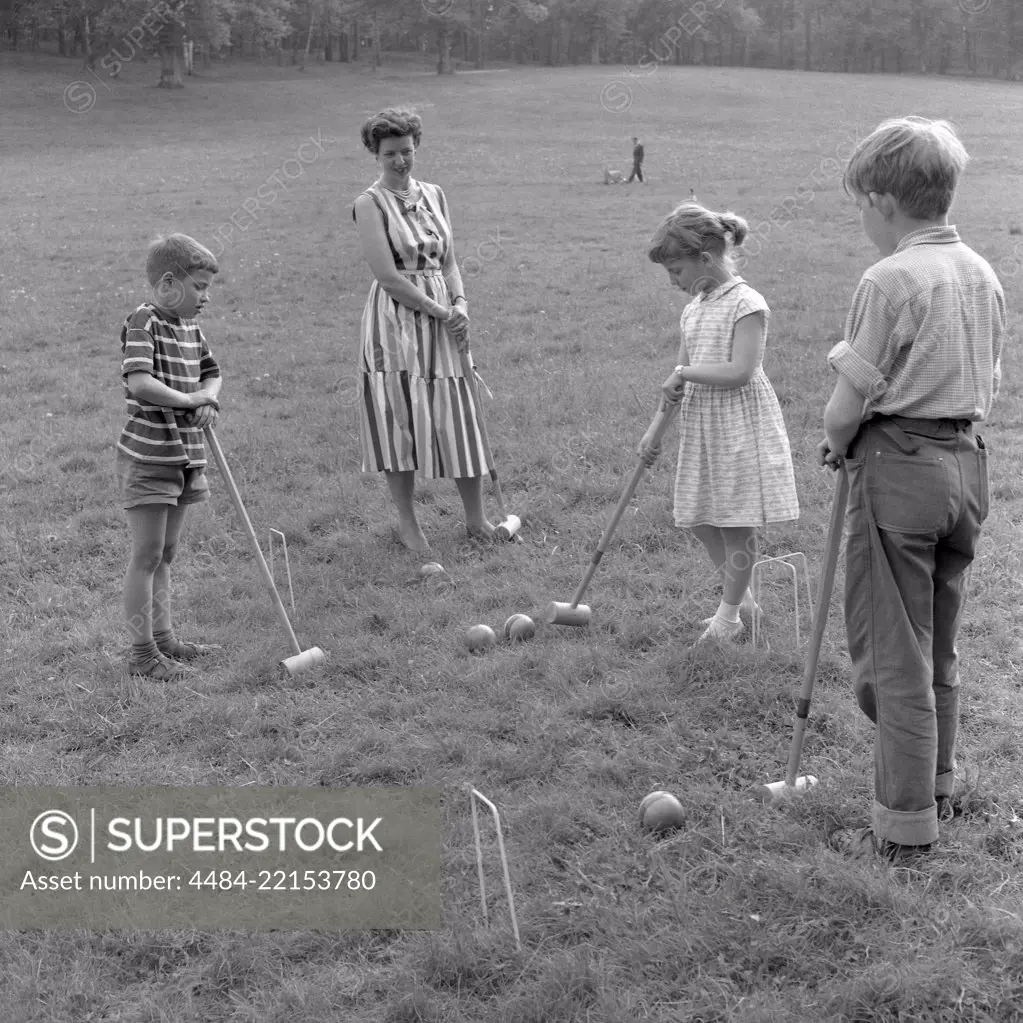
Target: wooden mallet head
pixel 307 659
pixel 508 527
pixel 780 789
pixel 558 613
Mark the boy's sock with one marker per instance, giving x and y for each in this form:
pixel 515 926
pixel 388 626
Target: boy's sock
pixel 143 653
pixel 165 641
pixel 728 612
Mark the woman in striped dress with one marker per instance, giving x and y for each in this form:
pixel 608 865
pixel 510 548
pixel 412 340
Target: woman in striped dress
pixel 418 415
pixel 734 462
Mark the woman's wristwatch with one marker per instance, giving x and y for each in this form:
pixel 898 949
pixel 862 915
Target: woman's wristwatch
pixel 678 372
pixel 458 298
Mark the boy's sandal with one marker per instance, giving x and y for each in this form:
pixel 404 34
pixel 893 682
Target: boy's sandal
pixel 159 669
pixel 863 844
pixel 179 650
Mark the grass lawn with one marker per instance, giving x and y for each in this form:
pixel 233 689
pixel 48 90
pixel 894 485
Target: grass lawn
pixel 744 915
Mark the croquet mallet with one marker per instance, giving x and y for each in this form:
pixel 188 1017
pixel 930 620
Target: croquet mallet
pixel 301 660
pixel 509 524
pixel 793 781
pixel 579 614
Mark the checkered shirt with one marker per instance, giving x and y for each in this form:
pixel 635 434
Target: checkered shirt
pixel 923 338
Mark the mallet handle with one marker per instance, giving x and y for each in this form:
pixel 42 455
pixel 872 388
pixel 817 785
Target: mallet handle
pixel 470 376
pixel 236 500
pixel 820 620
pixel 660 423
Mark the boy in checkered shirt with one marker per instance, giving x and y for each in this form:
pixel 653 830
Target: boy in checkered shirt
pixel 919 365
pixel 171 383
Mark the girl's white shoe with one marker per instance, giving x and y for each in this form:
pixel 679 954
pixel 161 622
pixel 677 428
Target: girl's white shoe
pixel 748 608
pixel 722 631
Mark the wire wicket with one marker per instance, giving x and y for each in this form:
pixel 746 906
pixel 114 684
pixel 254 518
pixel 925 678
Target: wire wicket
pixel 287 563
pixel 792 562
pixel 474 796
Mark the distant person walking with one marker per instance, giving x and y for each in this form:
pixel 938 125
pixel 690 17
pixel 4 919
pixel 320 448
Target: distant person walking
pixel 637 161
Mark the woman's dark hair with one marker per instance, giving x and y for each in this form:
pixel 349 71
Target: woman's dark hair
pixel 393 123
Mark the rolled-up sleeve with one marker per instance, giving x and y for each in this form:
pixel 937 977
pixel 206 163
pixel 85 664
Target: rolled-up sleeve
pixel 996 348
pixel 868 350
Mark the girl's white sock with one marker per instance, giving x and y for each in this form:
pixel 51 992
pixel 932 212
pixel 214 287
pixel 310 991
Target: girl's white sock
pixel 728 612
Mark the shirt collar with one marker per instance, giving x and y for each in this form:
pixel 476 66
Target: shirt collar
pixel 941 235
pixel 720 290
pixel 166 314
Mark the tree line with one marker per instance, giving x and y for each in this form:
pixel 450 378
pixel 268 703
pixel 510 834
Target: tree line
pixel 978 37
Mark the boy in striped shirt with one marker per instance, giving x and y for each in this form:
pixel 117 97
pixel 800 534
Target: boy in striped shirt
pixel 171 383
pixel 919 365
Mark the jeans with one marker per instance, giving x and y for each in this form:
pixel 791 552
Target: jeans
pixel 918 494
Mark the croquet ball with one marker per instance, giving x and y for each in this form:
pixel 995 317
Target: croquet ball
pixel 480 638
pixel 660 812
pixel 431 568
pixel 519 627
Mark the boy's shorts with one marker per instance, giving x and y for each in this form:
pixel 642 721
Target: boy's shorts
pixel 153 483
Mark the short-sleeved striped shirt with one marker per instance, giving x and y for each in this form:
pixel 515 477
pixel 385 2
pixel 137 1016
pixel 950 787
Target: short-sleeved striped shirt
pixel 924 334
pixel 175 352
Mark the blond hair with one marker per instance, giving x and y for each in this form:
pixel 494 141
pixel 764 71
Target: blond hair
pixel 913 159
pixel 177 254
pixel 691 229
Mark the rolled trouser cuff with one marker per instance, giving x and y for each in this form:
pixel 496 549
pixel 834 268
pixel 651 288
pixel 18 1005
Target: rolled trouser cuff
pixel 906 827
pixel 945 785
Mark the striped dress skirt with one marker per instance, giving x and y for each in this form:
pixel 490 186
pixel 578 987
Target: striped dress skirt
pixel 417 412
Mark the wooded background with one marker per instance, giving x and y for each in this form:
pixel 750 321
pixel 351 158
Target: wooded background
pixel 973 37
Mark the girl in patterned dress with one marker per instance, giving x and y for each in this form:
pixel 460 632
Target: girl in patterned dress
pixel 734 464
pixel 417 411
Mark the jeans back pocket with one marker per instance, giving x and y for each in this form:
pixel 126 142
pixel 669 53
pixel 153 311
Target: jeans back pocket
pixel 908 493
